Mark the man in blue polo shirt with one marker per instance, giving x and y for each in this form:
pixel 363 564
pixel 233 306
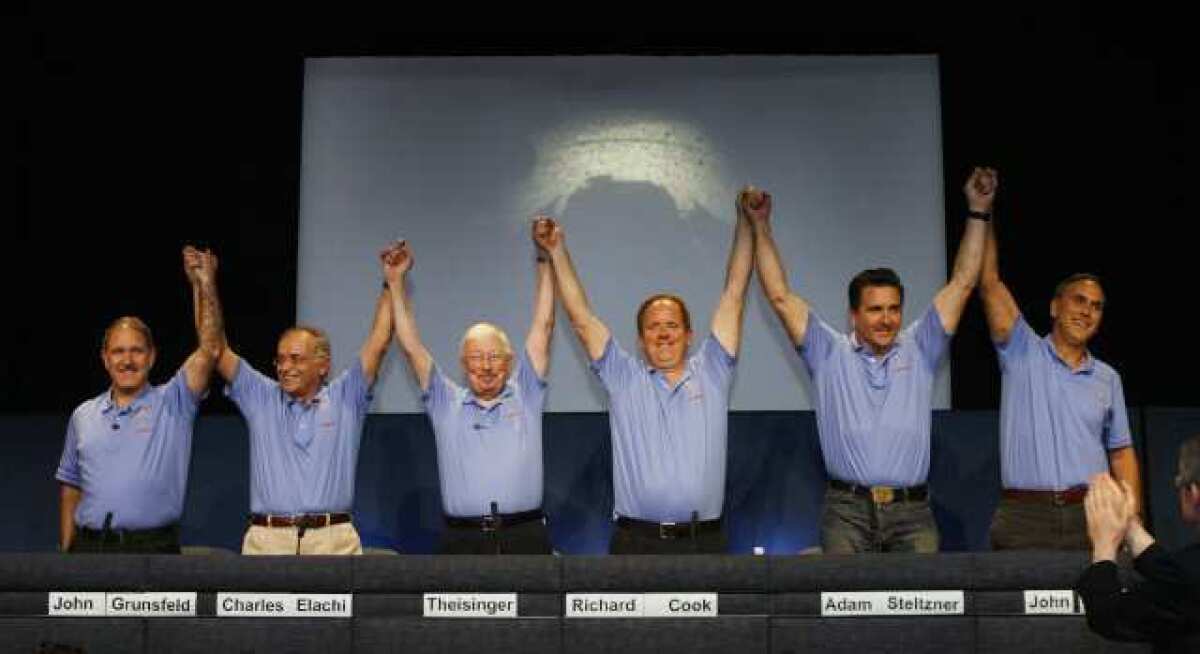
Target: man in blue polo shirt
pixel 874 387
pixel 668 412
pixel 1062 414
pixel 124 467
pixel 305 431
pixel 489 434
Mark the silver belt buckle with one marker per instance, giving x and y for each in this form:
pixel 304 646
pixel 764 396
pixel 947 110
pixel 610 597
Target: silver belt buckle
pixel 664 530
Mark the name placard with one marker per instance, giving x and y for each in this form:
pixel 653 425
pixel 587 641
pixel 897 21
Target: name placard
pixel 1052 602
pixel 899 602
pixel 130 605
pixel 470 605
pixel 604 605
pixel 285 605
pixel 679 605
pixel 76 604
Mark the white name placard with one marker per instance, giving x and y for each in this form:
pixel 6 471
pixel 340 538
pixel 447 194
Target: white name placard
pixel 285 605
pixel 1051 602
pixel 116 605
pixel 604 605
pixel 470 605
pixel 679 605
pixel 76 604
pixel 899 602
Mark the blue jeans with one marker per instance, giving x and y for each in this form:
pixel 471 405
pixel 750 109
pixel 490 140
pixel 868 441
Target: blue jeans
pixel 855 523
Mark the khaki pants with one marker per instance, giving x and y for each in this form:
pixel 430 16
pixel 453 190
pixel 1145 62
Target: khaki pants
pixel 335 539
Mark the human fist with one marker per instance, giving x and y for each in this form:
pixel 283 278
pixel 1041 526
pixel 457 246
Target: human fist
pixel 200 266
pixel 980 189
pixel 547 234
pixel 755 203
pixel 396 260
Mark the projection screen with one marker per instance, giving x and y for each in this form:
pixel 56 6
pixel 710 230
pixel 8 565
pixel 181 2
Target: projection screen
pixel 640 158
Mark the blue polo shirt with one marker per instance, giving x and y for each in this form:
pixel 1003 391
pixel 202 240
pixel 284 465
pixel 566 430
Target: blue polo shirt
pixel 874 413
pixel 131 462
pixel 303 456
pixel 488 454
pixel 669 443
pixel 1056 424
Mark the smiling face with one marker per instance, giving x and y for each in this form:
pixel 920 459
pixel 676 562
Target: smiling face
pixel 300 365
pixel 1077 311
pixel 878 317
pixel 128 357
pixel 664 335
pixel 486 360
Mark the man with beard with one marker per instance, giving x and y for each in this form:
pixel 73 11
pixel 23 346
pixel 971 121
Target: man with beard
pixel 669 413
pixel 305 431
pixel 124 467
pixel 874 387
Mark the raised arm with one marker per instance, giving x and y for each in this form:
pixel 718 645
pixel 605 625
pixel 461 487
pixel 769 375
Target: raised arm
pixel 376 346
pixel 201 269
pixel 397 261
pixel 727 319
pixel 541 326
pixel 998 303
pixel 68 498
pixel 980 190
pixel 791 308
pixel 592 333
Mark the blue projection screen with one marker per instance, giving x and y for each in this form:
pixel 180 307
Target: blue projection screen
pixel 640 158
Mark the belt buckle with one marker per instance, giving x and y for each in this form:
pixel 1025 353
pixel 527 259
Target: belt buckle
pixel 883 494
pixel 665 529
pixel 1059 498
pixel 489 523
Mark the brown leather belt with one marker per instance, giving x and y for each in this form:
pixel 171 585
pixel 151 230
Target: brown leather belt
pixel 883 494
pixel 305 521
pixel 1073 495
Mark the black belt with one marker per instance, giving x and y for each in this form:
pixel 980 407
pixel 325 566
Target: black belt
pixel 668 530
pixel 304 520
pixel 884 494
pixel 494 521
pixel 126 535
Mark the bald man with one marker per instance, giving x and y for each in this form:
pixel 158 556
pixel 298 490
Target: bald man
pixel 489 433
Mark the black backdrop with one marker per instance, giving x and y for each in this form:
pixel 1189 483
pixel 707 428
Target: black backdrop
pixel 129 134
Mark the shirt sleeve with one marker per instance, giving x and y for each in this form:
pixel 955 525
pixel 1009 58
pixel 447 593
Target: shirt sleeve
pixel 717 361
pixel 351 388
pixel 1012 352
pixel 931 337
pixel 819 342
pixel 533 388
pixel 180 399
pixel 440 394
pixel 1116 424
pixel 615 366
pixel 249 388
pixel 68 464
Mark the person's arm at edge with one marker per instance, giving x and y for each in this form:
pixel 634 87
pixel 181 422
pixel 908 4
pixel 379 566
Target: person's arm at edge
pixel 69 497
pixel 210 326
pixel 541 325
pixel 999 306
pixel 968 262
pixel 790 307
pixel 592 333
pixel 396 264
pixel 727 319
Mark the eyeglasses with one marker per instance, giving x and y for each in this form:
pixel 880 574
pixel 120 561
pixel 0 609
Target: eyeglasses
pixel 477 359
pixel 294 359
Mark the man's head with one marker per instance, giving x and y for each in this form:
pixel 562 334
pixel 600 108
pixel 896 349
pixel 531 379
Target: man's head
pixel 876 307
pixel 664 331
pixel 1187 481
pixel 1077 308
pixel 486 359
pixel 302 361
pixel 127 353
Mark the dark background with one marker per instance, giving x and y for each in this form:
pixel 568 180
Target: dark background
pixel 128 134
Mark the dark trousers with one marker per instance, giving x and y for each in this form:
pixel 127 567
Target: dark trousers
pixel 526 538
pixel 626 540
pixel 854 523
pixel 163 540
pixel 1021 525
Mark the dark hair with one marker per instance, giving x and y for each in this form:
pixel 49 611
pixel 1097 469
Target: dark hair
pixel 128 322
pixel 1077 277
pixel 873 277
pixel 687 317
pixel 1189 462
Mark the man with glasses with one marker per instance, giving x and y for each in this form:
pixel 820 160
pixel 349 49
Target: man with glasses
pixel 1062 413
pixel 124 467
pixel 489 434
pixel 305 431
pixel 669 412
pixel 1165 608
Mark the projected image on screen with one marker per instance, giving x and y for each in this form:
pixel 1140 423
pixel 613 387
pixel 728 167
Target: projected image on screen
pixel 640 159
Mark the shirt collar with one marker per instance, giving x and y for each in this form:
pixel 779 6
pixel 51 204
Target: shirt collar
pixel 1086 366
pixel 316 399
pixel 863 350
pixel 504 395
pixel 138 401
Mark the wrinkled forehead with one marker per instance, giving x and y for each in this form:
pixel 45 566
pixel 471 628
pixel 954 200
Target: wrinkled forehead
pixel 484 338
pixel 1087 288
pixel 126 337
pixel 663 309
pixel 296 342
